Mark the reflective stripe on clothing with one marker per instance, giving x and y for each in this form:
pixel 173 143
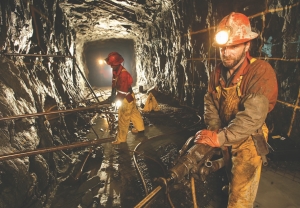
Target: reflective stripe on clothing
pixel 124 93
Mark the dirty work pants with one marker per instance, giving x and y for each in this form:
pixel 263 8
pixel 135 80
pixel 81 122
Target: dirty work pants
pixel 245 175
pixel 128 112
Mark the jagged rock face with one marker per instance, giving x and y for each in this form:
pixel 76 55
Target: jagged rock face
pixel 94 20
pixel 172 46
pixel 30 85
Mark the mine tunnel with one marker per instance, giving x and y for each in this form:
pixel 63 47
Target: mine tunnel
pixel 58 121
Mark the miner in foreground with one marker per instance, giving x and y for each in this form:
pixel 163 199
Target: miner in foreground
pixel 122 92
pixel 241 92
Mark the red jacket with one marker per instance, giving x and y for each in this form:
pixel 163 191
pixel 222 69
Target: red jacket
pixel 122 81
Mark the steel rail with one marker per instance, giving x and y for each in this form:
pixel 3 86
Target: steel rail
pixel 55 148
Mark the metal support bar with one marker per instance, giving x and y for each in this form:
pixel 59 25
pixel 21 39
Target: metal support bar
pixel 37 55
pixel 55 148
pixel 55 112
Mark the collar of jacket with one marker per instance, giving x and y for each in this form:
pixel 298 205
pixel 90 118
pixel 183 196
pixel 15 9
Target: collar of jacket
pixel 241 71
pixel 117 72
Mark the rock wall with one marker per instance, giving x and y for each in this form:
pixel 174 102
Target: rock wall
pixel 34 84
pixel 175 53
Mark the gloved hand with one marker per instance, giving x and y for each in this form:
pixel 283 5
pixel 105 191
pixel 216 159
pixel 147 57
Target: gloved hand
pixel 112 96
pixel 207 137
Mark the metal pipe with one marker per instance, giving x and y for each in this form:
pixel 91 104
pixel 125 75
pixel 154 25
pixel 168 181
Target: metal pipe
pixel 37 55
pixel 154 192
pixel 53 149
pixel 148 197
pixel 170 201
pixel 184 148
pixel 55 112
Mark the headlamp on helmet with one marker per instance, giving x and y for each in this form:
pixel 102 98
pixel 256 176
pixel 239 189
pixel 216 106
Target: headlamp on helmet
pixel 234 29
pixel 222 36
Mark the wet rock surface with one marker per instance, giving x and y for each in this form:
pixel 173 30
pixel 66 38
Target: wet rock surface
pixel 117 175
pixel 128 172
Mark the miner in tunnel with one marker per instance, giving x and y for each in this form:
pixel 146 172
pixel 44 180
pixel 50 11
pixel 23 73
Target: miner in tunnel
pixel 122 92
pixel 241 92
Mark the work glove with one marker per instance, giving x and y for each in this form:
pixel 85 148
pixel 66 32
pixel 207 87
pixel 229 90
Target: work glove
pixel 207 137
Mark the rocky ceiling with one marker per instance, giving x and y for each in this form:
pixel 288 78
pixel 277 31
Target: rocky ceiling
pixel 106 19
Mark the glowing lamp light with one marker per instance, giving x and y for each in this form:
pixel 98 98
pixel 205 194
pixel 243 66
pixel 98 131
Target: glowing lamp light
pixel 118 103
pixel 101 61
pixel 222 37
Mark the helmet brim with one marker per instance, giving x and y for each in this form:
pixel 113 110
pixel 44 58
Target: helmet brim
pixel 252 36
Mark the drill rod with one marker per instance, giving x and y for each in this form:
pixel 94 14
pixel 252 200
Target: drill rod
pixel 148 197
pixel 154 192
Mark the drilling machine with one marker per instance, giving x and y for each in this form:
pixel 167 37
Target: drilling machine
pixel 194 162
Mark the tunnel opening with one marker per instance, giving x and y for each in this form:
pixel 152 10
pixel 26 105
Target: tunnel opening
pixel 99 73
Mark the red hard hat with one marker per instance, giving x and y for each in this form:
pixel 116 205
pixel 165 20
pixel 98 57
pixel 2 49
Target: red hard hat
pixel 114 58
pixel 238 28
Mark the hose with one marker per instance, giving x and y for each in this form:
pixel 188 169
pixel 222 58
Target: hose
pixel 184 148
pixel 139 171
